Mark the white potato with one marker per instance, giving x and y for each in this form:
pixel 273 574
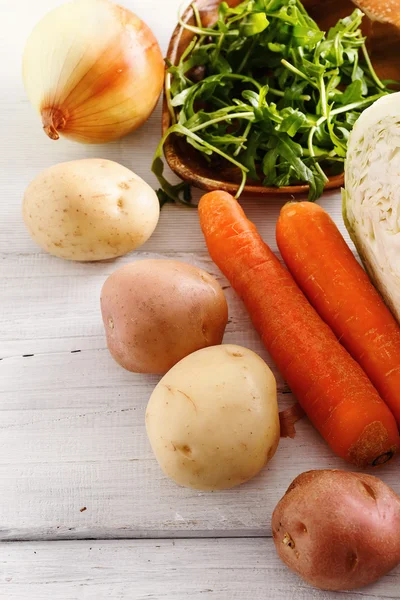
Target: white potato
pixel 90 209
pixel 213 420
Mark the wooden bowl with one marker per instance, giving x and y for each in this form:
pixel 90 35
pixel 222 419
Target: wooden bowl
pixel 185 161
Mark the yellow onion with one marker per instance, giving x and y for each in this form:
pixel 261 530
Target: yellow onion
pixel 93 70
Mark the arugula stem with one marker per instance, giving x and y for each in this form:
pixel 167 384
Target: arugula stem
pixel 243 78
pixel 245 136
pixel 354 105
pixel 297 72
pixel 220 102
pixel 246 56
pixel 320 121
pixel 241 188
pixel 310 140
pixel 218 49
pixel 198 139
pixel 348 107
pixel 196 13
pixel 229 117
pixel 239 17
pixel 206 31
pixel 371 68
pixel 387 82
pixel 323 96
pixel 197 17
pixel 321 171
pixel 312 153
pixel 281 94
pixel 355 67
pixel 188 50
pixel 168 97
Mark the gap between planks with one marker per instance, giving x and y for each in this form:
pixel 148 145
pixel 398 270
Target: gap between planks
pixel 164 537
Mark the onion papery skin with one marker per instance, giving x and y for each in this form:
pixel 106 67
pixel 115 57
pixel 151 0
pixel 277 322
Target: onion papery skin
pixel 93 70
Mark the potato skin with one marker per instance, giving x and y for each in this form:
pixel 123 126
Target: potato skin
pixel 90 209
pixel 213 420
pixel 338 530
pixel 156 312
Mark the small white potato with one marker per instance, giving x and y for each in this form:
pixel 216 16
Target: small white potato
pixel 213 420
pixel 90 209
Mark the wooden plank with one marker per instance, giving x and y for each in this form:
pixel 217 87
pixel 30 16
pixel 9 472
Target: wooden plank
pixel 64 301
pixel 72 434
pixel 72 429
pixel 224 569
pixel 62 310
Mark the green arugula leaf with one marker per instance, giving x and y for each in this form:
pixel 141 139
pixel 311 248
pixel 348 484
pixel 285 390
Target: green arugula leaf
pixel 292 152
pixel 254 24
pixel 305 36
pixel 180 99
pixel 340 144
pixel 293 120
pixel 358 75
pixel 275 47
pixel 289 14
pixel 353 93
pixel 269 166
pixel 250 155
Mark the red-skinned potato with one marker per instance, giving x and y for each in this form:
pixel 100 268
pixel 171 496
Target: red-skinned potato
pixel 156 312
pixel 338 530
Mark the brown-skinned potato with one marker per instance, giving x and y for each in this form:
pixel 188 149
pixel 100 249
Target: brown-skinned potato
pixel 338 530
pixel 90 209
pixel 156 312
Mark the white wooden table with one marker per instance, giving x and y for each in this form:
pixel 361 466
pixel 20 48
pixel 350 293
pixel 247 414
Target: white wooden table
pixel 85 512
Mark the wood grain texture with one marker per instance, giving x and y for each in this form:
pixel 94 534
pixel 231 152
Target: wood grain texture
pixel 221 569
pixel 72 421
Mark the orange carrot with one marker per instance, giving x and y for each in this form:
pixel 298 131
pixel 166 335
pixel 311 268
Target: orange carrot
pixel 339 289
pixel 331 387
